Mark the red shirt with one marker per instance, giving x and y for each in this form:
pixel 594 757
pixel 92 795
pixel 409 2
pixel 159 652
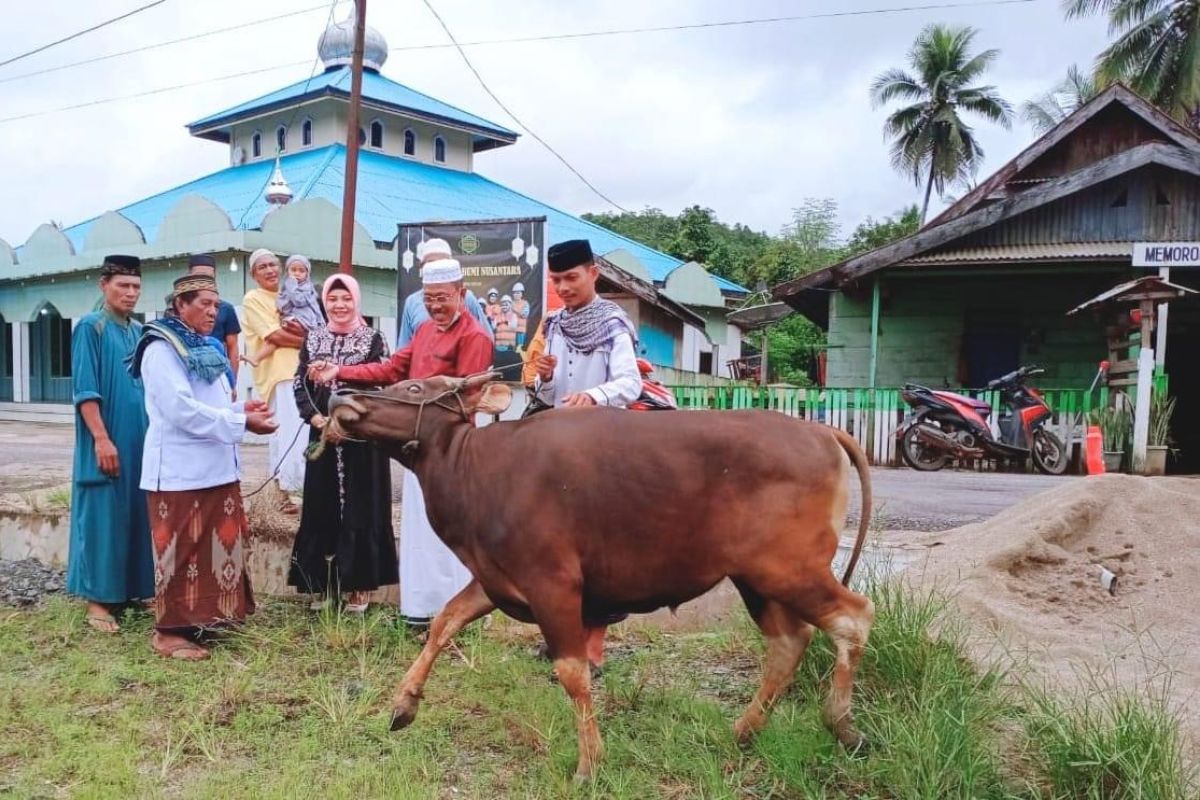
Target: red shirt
pixel 462 349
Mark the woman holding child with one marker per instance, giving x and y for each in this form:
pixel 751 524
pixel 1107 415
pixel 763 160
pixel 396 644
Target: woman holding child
pixel 345 543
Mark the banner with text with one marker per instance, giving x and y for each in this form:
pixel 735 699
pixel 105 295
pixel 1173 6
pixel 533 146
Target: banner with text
pixel 504 270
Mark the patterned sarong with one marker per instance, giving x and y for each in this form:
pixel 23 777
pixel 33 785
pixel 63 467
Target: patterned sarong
pixel 200 551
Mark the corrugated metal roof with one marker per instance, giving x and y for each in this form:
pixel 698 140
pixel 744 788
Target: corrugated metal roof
pixel 376 88
pixel 391 190
pixel 1025 252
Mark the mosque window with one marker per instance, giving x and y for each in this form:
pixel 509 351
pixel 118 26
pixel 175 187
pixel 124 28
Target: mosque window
pixel 362 136
pixel 281 138
pixel 410 143
pixel 256 144
pixel 377 134
pixel 306 133
pixel 439 150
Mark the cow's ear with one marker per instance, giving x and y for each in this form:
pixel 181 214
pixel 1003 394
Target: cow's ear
pixel 494 399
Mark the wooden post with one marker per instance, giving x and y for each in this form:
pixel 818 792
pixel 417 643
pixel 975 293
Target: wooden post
pixel 874 332
pixel 350 192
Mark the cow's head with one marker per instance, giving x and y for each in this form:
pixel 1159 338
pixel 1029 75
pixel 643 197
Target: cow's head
pixel 404 414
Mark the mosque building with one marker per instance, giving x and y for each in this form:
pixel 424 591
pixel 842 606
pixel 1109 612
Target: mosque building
pixel 283 190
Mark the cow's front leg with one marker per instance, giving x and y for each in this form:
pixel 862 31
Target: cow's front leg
pixel 464 608
pixel 562 625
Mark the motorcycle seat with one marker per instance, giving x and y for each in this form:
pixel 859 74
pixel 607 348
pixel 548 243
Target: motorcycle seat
pixel 970 402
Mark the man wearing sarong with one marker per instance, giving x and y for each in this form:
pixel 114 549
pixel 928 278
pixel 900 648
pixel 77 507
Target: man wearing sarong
pixel 108 560
pixel 414 314
pixel 191 473
pixel 275 372
pixel 584 355
pixel 454 344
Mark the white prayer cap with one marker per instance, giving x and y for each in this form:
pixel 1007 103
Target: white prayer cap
pixel 444 270
pixel 432 247
pixel 518 287
pixel 506 299
pixel 259 255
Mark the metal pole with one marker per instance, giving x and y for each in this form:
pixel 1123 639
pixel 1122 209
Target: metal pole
pixel 1160 344
pixel 350 192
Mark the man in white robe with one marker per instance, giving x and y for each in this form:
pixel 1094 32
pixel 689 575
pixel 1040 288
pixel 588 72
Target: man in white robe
pixel 584 355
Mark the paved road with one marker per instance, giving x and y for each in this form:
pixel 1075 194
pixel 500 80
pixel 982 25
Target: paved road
pixel 36 456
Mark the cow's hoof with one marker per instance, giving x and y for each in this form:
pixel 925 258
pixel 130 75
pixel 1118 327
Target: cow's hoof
pixel 582 776
pixel 402 718
pixel 744 731
pixel 854 742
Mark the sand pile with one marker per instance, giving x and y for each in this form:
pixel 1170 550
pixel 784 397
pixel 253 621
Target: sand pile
pixel 1032 575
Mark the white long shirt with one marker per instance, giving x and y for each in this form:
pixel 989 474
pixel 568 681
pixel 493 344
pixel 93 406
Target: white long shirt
pixel 192 441
pixel 609 373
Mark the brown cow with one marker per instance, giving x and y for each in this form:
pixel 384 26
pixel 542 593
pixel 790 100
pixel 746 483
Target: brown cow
pixel 609 511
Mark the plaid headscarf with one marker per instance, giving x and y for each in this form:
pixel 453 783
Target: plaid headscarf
pixel 589 327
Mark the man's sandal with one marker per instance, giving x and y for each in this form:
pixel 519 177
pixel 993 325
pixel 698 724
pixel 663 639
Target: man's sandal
pixel 105 623
pixel 183 651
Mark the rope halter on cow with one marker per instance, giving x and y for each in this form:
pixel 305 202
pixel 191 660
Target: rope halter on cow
pixel 458 386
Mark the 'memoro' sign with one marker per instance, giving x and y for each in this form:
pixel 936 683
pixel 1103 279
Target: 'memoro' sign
pixel 1166 254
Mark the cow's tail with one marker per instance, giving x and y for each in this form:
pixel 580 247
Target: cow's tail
pixel 859 458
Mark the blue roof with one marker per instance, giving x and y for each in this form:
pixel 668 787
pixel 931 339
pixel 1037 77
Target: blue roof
pixel 391 190
pixel 376 89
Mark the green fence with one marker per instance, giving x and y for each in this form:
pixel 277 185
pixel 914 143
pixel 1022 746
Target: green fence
pixel 872 416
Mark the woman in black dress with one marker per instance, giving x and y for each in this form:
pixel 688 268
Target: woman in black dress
pixel 345 543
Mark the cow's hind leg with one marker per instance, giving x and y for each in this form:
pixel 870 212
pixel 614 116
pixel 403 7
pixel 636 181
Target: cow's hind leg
pixel 846 618
pixel 464 608
pixel 787 637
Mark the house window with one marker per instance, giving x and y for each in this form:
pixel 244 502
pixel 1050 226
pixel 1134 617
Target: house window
pixel 281 138
pixel 377 134
pixel 1160 197
pixel 362 136
pixel 256 144
pixel 410 143
pixel 439 150
pixel 1122 200
pixel 60 345
pixel 306 133
pixel 706 364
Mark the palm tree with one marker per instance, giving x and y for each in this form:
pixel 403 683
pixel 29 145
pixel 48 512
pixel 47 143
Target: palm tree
pixel 930 140
pixel 1157 51
pixel 1044 112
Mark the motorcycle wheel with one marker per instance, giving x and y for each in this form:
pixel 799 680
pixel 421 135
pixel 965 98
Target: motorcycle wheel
pixel 918 456
pixel 1049 453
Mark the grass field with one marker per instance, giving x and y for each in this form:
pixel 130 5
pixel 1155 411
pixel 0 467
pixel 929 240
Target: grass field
pixel 295 705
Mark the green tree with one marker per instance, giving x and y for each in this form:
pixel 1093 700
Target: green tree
pixel 871 234
pixel 695 240
pixel 1051 108
pixel 1157 50
pixel 930 141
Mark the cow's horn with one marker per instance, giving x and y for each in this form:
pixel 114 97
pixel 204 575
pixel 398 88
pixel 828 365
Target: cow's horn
pixel 475 381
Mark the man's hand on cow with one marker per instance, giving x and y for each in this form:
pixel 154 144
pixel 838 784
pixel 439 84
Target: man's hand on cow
pixel 579 400
pixel 545 367
pixel 322 372
pixel 106 457
pixel 255 405
pixel 261 422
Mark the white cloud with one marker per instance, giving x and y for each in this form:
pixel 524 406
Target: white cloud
pixel 746 120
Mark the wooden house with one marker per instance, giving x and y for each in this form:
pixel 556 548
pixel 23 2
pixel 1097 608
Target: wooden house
pixel 986 285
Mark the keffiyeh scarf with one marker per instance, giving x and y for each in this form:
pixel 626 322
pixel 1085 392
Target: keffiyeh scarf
pixel 200 357
pixel 591 326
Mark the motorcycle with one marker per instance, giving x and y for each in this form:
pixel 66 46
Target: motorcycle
pixel 945 426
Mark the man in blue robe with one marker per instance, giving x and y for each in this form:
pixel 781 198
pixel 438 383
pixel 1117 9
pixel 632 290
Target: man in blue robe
pixel 110 562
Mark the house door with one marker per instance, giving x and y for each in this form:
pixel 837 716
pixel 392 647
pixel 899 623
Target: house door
pixel 50 358
pixel 991 346
pixel 6 361
pixel 1183 350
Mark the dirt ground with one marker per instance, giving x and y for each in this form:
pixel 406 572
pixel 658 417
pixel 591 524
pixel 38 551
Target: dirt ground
pixel 1030 577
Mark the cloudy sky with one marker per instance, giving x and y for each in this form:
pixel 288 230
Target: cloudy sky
pixel 747 120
